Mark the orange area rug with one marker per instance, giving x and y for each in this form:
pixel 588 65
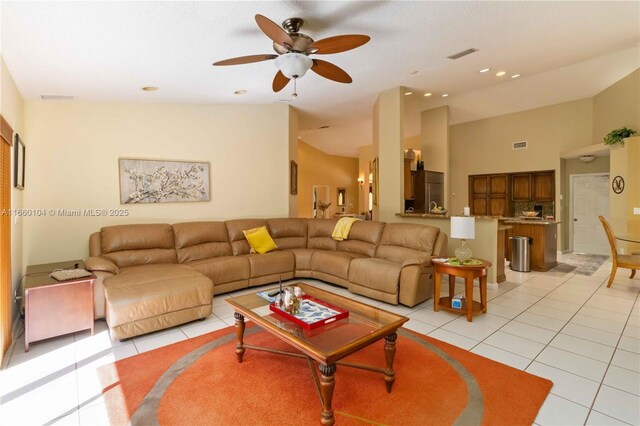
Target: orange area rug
pixel 199 382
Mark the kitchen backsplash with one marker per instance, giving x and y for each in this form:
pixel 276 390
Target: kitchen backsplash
pixel 528 206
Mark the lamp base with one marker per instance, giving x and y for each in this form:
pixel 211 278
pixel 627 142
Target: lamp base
pixel 463 253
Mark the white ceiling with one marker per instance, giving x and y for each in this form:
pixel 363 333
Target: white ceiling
pixel 106 51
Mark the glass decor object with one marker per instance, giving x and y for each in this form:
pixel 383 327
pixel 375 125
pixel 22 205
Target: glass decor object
pixel 463 228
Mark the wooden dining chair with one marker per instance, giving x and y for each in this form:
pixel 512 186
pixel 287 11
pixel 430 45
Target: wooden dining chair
pixel 619 260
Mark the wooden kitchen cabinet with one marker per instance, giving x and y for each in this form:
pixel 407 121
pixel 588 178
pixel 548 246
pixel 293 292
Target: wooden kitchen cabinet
pixel 543 246
pixel 489 195
pixel 521 187
pixel 543 186
pixel 409 181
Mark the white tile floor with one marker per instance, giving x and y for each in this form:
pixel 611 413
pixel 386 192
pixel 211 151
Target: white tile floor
pixel 568 328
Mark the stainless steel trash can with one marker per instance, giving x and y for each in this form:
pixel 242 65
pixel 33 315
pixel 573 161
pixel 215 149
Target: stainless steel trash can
pixel 520 254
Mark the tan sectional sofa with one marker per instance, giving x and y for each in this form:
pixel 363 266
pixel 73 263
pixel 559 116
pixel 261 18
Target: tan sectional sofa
pixel 155 276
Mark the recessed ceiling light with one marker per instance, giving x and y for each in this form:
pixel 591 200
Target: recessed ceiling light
pixel 515 76
pixel 414 72
pixel 500 73
pixel 240 92
pixel 444 95
pixel 150 88
pixel 485 70
pixel 408 93
pixel 428 94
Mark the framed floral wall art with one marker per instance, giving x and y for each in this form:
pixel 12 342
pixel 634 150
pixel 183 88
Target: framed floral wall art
pixel 163 181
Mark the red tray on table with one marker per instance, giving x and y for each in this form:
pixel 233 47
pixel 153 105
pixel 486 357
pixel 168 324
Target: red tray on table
pixel 313 313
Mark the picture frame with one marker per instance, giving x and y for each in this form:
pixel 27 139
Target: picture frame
pixel 144 181
pixel 19 161
pixel 293 178
pixel 375 180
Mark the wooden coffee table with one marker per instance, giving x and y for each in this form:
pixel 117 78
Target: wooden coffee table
pixel 326 345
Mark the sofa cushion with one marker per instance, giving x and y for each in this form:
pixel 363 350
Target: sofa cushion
pixel 377 274
pixel 146 291
pixel 319 234
pixel 201 240
pixel 303 258
pixel 239 244
pixel 223 269
pixel 275 262
pixel 260 240
pixel 403 241
pixel 333 262
pixel 288 232
pixel 131 245
pixel 363 238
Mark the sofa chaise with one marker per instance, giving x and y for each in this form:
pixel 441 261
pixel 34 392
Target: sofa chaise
pixel 154 276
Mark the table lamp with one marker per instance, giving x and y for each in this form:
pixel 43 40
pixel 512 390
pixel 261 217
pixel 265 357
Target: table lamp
pixel 464 228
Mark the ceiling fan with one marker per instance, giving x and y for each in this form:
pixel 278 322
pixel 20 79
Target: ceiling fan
pixel 293 49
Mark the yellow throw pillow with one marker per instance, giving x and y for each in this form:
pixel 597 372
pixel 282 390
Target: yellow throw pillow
pixel 260 240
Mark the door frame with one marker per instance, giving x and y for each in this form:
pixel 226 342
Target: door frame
pixel 570 218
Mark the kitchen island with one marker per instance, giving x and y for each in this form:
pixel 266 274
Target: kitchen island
pixel 543 244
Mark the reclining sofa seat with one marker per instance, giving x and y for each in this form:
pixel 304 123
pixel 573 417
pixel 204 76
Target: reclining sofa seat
pixel 144 287
pixel 389 262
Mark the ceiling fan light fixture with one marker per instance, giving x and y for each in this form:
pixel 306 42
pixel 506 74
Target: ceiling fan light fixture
pixel 293 65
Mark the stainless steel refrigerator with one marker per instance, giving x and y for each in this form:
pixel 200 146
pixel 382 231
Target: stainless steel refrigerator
pixel 429 188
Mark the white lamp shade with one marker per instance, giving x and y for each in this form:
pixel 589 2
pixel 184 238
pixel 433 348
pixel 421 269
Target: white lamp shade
pixel 293 65
pixel 463 227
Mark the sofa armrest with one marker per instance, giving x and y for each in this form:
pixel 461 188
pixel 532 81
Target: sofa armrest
pixel 101 263
pixel 420 261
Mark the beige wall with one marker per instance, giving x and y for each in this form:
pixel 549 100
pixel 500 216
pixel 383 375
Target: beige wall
pixel 293 156
pixel 389 121
pixel 434 129
pixel 575 167
pixel 617 106
pixel 317 168
pixel 12 109
pixel 72 163
pixel 624 162
pixel 485 146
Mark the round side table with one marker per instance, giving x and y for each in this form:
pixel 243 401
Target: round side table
pixel 469 273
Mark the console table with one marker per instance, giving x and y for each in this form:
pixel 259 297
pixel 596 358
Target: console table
pixel 53 308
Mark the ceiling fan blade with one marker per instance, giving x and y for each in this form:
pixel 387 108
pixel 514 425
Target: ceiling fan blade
pixel 338 44
pixel 245 60
pixel 279 82
pixel 274 31
pixel 330 71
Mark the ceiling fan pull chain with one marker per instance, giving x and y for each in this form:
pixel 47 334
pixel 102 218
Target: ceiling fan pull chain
pixel 294 94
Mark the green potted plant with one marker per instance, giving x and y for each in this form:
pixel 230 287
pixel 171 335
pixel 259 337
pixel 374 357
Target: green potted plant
pixel 616 137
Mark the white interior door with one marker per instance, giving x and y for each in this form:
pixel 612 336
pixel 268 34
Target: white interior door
pixel 590 198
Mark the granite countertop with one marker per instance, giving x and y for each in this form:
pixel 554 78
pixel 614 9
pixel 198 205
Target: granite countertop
pixel 502 219
pixel 443 216
pixel 521 221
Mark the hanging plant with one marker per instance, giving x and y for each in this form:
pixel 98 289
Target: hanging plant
pixel 616 137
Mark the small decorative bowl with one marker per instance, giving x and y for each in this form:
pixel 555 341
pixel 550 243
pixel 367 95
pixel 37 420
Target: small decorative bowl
pixel 440 212
pixel 529 214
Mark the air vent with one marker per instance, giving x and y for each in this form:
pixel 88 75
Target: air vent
pixel 520 145
pixel 56 97
pixel 463 53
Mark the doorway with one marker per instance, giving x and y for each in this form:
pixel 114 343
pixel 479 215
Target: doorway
pixel 589 199
pixel 320 196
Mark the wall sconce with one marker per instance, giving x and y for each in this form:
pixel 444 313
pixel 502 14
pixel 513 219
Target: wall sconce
pixel 370 177
pixel 361 181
